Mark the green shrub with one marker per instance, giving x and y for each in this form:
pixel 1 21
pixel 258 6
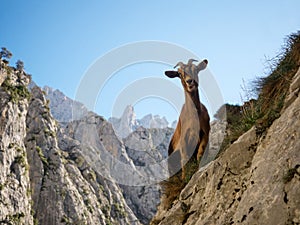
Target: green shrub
pixel 17 93
pixel 5 53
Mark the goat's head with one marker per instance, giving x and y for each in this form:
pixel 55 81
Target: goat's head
pixel 188 74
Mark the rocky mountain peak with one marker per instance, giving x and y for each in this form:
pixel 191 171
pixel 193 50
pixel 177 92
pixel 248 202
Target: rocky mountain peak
pixel 63 108
pixel 129 123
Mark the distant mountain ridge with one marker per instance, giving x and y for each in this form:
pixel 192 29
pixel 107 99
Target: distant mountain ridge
pixel 128 122
pixel 65 109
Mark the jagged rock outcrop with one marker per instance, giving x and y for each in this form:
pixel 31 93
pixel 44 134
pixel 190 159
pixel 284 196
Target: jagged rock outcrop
pixel 65 110
pixel 62 108
pixel 255 181
pixel 92 133
pixel 126 124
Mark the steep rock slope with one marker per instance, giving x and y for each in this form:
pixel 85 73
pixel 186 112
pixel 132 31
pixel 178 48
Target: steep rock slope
pixel 255 181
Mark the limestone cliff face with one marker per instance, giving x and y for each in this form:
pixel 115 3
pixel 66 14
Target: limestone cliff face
pixel 45 178
pixel 255 181
pixel 15 197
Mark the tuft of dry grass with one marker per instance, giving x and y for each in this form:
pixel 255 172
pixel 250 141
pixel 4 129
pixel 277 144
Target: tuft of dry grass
pixel 172 187
pixel 271 91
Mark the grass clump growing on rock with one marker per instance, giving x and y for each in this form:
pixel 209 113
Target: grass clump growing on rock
pixel 270 91
pixel 42 156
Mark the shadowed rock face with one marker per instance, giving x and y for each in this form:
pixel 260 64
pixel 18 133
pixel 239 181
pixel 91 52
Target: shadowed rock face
pixel 255 181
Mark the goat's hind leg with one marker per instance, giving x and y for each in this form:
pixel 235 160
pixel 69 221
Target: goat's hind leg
pixel 202 146
pixel 174 163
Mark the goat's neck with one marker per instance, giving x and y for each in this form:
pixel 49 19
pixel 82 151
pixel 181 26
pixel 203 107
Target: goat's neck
pixel 192 100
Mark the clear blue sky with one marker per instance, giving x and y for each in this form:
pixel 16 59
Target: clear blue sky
pixel 58 40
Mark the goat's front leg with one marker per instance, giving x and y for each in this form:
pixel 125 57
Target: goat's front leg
pixel 188 147
pixel 183 161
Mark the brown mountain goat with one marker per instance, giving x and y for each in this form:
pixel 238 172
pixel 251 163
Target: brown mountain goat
pixel 192 132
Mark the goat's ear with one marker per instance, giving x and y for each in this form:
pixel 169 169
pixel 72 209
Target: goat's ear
pixel 172 74
pixel 202 65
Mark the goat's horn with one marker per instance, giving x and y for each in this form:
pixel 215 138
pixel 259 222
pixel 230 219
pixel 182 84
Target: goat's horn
pixel 191 61
pixel 180 64
pixel 202 65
